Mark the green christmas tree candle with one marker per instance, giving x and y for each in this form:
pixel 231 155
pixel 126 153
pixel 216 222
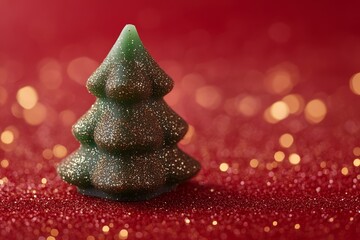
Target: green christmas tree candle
pixel 128 139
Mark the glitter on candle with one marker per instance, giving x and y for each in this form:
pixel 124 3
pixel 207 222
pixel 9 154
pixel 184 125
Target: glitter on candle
pixel 355 83
pixel 90 237
pixel 224 167
pixel 279 156
pixel 279 110
pixel 254 163
pixel 315 111
pixel 297 226
pixel 123 234
pixel 294 158
pixel 267 229
pixel 27 97
pixel 214 223
pixel 274 223
pixel 286 140
pixel 187 221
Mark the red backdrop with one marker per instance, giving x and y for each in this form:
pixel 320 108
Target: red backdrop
pixel 245 74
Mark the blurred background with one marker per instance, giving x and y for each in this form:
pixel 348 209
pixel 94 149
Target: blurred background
pixel 270 90
pixel 262 60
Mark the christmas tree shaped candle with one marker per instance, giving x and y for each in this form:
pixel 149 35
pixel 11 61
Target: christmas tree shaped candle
pixel 128 139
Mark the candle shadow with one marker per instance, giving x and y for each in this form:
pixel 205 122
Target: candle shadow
pixel 197 197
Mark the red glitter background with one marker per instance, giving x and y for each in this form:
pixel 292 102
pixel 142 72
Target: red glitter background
pixel 231 62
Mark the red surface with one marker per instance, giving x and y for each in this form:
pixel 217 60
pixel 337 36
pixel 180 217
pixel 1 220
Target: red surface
pixel 226 50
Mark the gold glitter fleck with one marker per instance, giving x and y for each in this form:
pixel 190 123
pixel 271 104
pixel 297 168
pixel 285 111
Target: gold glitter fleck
pixel 279 156
pixel 331 219
pixel 7 137
pixel 345 171
pixel 274 223
pixel 4 163
pixel 254 163
pixel 224 167
pixel 267 229
pixel 123 234
pixel 44 181
pixel 286 140
pixel 187 221
pixel 214 223
pixel 50 238
pixel 294 158
pixel 297 226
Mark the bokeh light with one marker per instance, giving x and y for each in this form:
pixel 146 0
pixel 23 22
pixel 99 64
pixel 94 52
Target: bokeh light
pixel 315 111
pixel 224 167
pixel 248 106
pixel 27 97
pixel 208 97
pixel 279 110
pixel 295 103
pixel 50 73
pixel 279 156
pixel 254 163
pixel 59 151
pixel 355 83
pixel 7 137
pixel 294 158
pixel 80 69
pixel 35 115
pixel 286 140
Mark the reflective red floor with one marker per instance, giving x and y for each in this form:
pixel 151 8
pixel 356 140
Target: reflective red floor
pixel 271 93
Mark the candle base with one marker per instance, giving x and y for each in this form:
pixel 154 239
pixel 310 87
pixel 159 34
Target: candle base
pixel 128 196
